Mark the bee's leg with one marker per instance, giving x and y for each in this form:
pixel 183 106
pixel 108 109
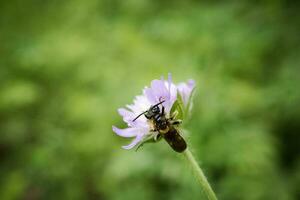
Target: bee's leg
pixel 176 122
pixel 163 110
pixel 174 115
pixel 157 137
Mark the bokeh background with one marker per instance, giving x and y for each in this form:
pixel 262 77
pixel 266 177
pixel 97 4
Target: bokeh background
pixel 67 66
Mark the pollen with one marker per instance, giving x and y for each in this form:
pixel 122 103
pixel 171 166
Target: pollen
pixel 151 124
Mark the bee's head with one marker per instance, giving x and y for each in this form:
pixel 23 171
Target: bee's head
pixel 153 110
pixel 149 115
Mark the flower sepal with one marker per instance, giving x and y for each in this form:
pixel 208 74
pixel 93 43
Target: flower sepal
pixel 177 111
pixel 189 105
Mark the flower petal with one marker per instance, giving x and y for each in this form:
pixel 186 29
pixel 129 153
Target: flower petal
pixel 160 90
pixel 126 114
pixel 172 92
pixel 150 96
pixel 134 142
pixel 140 104
pixel 169 81
pixel 185 90
pixel 127 132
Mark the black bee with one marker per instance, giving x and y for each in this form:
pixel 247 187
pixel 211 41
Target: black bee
pixel 165 127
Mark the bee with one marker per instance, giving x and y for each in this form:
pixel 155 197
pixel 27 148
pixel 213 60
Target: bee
pixel 165 127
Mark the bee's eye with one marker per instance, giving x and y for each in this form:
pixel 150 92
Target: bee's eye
pixel 148 115
pixel 155 109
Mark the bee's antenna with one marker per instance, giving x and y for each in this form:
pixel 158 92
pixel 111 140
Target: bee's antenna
pixel 139 116
pixel 159 103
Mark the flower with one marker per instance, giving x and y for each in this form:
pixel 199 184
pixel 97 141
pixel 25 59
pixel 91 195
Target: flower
pixel 160 90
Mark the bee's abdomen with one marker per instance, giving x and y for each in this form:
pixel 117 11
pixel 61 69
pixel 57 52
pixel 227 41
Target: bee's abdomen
pixel 175 140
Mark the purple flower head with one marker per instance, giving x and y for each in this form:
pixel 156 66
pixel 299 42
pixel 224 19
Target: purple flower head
pixel 141 129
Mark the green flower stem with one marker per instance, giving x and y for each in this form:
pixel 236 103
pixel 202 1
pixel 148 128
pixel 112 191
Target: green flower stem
pixel 200 175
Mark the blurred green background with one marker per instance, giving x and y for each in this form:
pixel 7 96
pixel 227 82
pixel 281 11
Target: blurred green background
pixel 67 66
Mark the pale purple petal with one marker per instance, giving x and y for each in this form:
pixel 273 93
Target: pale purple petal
pixel 173 95
pixel 140 104
pixel 134 142
pixel 185 90
pixel 141 123
pixel 126 132
pixel 131 107
pixel 160 90
pixel 169 83
pixel 126 114
pixel 150 96
pixel 172 89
